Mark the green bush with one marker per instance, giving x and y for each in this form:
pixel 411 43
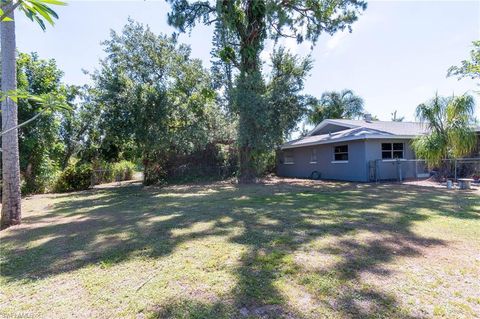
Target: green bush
pixel 103 172
pixel 265 163
pixel 215 161
pixel 40 177
pixel 123 171
pixel 74 177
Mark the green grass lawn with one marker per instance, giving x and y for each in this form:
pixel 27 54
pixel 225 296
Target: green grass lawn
pixel 332 250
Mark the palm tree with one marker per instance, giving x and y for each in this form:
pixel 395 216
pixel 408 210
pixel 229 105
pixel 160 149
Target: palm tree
pixel 396 118
pixel 337 105
pixel 450 122
pixel 38 11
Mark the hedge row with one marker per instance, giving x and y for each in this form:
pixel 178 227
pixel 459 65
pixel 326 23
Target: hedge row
pixel 81 176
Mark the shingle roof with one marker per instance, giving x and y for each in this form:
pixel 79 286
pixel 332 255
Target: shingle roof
pixel 360 129
pixel 396 128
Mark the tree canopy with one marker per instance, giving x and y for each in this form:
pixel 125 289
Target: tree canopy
pixel 336 105
pixel 450 121
pixel 396 117
pixel 40 147
pixel 248 23
pixel 155 100
pixel 250 20
pixel 468 68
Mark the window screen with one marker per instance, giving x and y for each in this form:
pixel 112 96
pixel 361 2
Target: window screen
pixel 313 156
pixel 392 150
pixel 288 157
pixel 341 153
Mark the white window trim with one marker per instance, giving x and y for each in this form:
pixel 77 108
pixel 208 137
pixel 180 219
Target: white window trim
pixel 289 163
pixel 313 162
pixel 394 160
pixel 339 162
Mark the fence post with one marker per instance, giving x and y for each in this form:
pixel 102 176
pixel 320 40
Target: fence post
pixel 416 169
pixel 399 170
pixel 455 169
pixel 92 179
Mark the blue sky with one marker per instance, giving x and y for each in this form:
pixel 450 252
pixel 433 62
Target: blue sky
pixel 396 57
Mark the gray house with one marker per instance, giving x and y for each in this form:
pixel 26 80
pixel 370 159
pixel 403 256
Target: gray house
pixel 354 150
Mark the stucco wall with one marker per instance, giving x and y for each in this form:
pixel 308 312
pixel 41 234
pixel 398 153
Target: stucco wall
pixel 354 170
pixel 361 152
pixel 389 169
pixel 373 148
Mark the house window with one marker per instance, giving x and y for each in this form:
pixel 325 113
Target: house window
pixel 392 150
pixel 340 153
pixel 288 157
pixel 313 156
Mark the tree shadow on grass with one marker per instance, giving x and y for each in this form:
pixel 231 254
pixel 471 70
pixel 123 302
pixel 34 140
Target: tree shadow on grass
pixel 113 225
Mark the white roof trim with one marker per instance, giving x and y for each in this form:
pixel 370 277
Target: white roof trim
pixel 324 123
pixel 350 138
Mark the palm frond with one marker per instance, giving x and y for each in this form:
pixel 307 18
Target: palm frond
pixel 450 122
pixel 39 11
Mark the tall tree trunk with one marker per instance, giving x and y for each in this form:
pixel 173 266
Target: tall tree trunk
pixel 11 208
pixel 250 107
pixel 247 174
pixel 250 89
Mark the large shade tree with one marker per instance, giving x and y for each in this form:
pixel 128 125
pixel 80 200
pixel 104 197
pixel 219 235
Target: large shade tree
pixel 251 23
pixel 336 105
pixel 450 123
pixel 39 12
pixel 39 143
pixel 79 128
pixel 222 70
pixel 285 105
pixel 155 97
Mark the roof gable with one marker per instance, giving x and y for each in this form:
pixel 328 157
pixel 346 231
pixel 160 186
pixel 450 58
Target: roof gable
pixel 348 130
pixel 329 126
pixel 356 133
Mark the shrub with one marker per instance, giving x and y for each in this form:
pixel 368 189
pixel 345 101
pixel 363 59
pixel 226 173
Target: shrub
pixel 74 177
pixel 40 176
pixel 105 172
pixel 266 163
pixel 154 173
pixel 123 170
pixel 102 172
pixel 215 161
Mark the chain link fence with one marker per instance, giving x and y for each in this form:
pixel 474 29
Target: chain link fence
pixel 401 169
pixel 193 171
